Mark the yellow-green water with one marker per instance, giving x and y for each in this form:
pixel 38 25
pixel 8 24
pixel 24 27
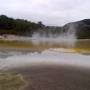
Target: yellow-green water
pixel 79 45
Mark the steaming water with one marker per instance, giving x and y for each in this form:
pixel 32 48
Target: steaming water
pixel 47 57
pixel 64 39
pixel 68 37
pixel 51 56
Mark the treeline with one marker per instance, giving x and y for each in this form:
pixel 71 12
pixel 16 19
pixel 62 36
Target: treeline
pixel 27 28
pixel 18 26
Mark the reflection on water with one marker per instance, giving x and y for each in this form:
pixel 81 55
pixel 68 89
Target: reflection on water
pixel 83 43
pixel 77 44
pixel 15 54
pixel 22 47
pixel 47 57
pixel 43 44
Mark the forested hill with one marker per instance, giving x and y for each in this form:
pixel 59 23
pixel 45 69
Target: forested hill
pixel 81 28
pixel 18 26
pixel 27 28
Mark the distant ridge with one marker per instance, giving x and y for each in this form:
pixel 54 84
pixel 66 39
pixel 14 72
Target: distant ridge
pixel 82 28
pixel 23 27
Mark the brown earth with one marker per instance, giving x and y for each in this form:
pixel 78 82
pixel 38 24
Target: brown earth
pixel 55 78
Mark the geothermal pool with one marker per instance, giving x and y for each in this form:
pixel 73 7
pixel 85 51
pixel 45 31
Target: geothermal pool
pixel 48 63
pixel 53 55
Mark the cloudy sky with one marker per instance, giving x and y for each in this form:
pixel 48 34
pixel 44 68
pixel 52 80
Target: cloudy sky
pixel 50 12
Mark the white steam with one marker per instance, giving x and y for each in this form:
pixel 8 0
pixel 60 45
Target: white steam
pixel 68 37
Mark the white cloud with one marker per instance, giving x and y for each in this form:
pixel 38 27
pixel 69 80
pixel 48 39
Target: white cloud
pixel 51 12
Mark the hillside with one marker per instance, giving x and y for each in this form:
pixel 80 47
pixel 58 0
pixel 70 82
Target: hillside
pixel 81 28
pixel 18 26
pixel 26 28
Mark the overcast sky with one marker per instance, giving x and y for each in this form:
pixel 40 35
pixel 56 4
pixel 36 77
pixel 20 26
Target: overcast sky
pixel 50 12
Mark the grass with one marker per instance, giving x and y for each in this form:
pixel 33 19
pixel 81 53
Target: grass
pixel 11 81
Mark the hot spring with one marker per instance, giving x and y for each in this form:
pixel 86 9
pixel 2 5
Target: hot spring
pixel 41 49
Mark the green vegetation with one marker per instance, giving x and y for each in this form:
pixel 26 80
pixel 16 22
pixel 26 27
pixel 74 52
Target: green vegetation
pixel 11 81
pixel 27 28
pixel 18 26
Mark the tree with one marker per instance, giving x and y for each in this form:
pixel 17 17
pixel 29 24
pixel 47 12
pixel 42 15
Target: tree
pixel 18 26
